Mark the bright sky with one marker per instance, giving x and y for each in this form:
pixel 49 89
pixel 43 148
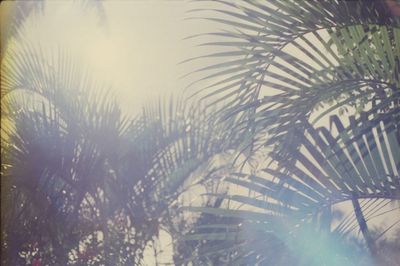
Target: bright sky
pixel 137 49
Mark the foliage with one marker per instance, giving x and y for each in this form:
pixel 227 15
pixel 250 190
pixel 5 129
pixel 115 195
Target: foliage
pixel 302 114
pixel 81 183
pixel 283 62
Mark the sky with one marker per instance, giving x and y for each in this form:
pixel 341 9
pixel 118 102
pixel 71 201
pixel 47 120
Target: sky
pixel 136 48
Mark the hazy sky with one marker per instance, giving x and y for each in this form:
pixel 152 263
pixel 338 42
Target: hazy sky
pixel 136 49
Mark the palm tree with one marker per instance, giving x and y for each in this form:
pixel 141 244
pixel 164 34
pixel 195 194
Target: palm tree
pixel 81 183
pixel 283 62
pixel 56 157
